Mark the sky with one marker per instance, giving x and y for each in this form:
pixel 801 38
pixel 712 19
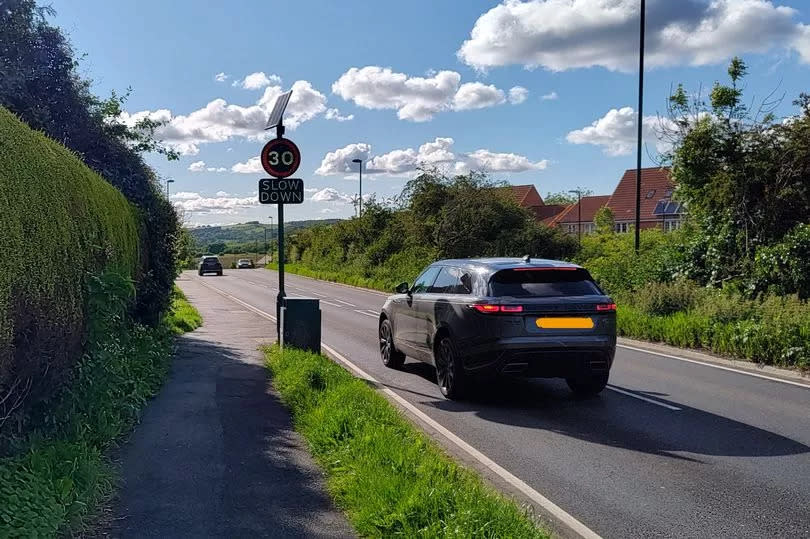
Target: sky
pixel 539 92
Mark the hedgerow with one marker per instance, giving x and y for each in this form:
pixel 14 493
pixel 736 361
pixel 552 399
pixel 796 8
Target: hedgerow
pixel 59 223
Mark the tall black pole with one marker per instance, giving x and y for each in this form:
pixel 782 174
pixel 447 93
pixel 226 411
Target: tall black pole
pixel 579 215
pixel 361 189
pixel 639 121
pixel 281 294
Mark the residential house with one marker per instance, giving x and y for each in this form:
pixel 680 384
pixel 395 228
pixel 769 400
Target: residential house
pixel 528 197
pixel 658 210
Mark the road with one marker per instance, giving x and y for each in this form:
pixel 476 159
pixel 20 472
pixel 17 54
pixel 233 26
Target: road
pixel 671 449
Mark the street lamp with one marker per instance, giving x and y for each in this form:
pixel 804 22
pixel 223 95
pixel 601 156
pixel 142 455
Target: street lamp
pixel 579 213
pixel 360 162
pixel 638 121
pixel 167 187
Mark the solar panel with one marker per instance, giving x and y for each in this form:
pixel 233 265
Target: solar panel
pixel 278 110
pixel 660 208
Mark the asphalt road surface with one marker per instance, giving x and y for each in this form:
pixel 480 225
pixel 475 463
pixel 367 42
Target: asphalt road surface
pixel 670 449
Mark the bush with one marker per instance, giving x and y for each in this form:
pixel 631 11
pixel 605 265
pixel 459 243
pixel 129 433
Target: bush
pixel 59 223
pixel 784 268
pixel 182 317
pixel 667 298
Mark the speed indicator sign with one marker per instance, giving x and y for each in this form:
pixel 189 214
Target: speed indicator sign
pixel 280 157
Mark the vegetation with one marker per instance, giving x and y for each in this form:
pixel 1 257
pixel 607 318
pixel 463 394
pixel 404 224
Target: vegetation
pixel 54 476
pixel 388 477
pixel 41 85
pixel 250 233
pixel 62 222
pixel 183 316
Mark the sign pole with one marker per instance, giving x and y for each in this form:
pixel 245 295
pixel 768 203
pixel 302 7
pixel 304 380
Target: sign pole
pixel 281 293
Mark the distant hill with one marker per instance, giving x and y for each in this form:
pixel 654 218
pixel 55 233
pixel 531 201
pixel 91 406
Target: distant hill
pixel 247 232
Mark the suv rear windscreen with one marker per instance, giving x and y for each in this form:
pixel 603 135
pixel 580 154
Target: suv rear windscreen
pixel 542 283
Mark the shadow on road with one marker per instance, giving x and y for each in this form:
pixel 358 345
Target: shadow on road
pixel 610 419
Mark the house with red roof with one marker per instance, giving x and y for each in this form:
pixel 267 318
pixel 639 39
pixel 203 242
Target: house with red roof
pixel 527 197
pixel 658 210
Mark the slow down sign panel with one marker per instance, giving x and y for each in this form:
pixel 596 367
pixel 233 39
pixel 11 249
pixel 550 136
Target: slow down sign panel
pixel 281 191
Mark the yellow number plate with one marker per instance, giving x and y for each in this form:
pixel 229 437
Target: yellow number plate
pixel 565 323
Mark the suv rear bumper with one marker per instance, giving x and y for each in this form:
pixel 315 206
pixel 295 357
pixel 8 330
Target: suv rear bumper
pixel 543 357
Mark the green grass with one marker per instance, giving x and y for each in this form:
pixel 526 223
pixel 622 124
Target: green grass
pixel 385 474
pixel 182 316
pixel 337 277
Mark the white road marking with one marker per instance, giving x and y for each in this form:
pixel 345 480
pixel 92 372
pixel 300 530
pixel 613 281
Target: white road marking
pixel 715 366
pixel 645 399
pixel 358 311
pixel 332 304
pixel 559 513
pixel 344 302
pixel 375 313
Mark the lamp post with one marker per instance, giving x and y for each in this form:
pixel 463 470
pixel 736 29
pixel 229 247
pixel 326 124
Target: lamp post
pixel 360 162
pixel 579 214
pixel 167 187
pixel 638 121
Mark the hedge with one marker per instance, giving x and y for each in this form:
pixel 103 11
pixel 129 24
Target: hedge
pixel 59 223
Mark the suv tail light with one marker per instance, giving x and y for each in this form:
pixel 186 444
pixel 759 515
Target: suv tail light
pixel 606 307
pixel 490 308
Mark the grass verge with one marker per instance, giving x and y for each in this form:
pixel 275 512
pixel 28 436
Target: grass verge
pixel 183 316
pixel 386 475
pixel 336 277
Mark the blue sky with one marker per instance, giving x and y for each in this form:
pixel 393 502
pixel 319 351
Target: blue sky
pixel 468 77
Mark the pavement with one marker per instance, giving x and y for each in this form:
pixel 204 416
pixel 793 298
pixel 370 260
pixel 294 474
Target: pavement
pixel 215 454
pixel 673 448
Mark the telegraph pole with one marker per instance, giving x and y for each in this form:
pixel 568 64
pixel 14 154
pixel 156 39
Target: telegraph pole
pixel 639 121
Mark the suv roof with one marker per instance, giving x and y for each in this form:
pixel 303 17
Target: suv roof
pixel 497 264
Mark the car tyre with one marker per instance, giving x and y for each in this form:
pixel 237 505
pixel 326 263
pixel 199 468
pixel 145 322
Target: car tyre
pixel 589 385
pixel 450 374
pixel 219 273
pixel 391 357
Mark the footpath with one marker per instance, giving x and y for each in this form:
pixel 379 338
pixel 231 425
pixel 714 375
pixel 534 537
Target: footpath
pixel 216 454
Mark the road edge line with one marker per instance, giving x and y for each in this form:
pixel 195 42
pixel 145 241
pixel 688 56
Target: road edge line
pixel 716 366
pixel 553 509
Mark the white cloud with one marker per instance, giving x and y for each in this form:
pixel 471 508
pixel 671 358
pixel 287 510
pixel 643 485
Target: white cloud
pixel 476 95
pixel 616 132
pixel 222 203
pixel 340 161
pixel 184 195
pixel 219 121
pixel 439 152
pixel 197 166
pixel 251 166
pixel 416 99
pixel 551 96
pixel 221 77
pixel 518 94
pixel 257 81
pixel 334 114
pixel 311 189
pixel 328 210
pixel 330 194
pixel 567 34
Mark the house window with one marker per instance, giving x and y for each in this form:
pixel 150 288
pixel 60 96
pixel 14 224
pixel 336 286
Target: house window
pixel 621 227
pixel 572 228
pixel 651 193
pixel 590 228
pixel 672 224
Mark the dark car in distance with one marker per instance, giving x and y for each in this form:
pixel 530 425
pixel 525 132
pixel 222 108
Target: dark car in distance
pixel 209 264
pixel 502 316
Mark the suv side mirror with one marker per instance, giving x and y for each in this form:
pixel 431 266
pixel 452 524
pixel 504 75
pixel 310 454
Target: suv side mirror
pixel 402 288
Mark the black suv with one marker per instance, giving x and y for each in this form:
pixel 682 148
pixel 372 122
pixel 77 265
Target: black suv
pixel 209 264
pixel 510 316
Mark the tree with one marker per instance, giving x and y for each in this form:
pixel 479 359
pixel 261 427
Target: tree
pixel 604 221
pixel 744 177
pixel 564 198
